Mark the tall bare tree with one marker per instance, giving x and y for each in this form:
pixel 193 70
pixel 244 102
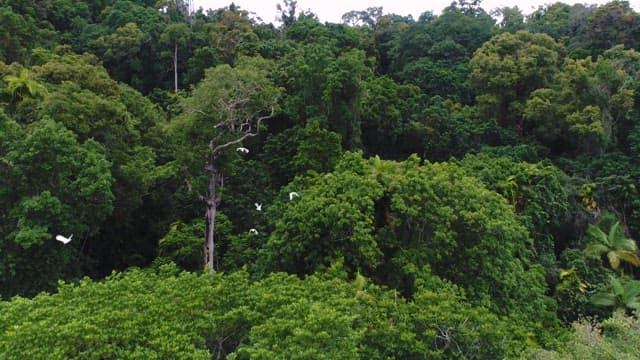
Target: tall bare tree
pixel 225 109
pixel 176 35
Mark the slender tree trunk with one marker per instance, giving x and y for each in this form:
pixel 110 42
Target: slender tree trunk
pixel 211 201
pixel 175 68
pixel 208 246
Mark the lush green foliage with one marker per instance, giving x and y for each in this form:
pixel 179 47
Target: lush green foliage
pixel 613 338
pixel 460 185
pixel 170 314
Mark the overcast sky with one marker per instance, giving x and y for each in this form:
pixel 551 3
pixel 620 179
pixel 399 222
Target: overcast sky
pixel 332 10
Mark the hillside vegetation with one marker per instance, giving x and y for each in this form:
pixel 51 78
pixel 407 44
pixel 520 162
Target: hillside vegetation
pixel 458 186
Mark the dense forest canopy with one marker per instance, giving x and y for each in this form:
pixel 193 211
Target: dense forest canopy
pixel 457 186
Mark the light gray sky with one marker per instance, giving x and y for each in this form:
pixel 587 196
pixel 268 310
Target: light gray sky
pixel 332 10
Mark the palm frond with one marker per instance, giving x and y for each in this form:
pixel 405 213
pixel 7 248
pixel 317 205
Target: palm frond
pixel 597 235
pixel 615 244
pixel 614 259
pixel 603 299
pixel 596 249
pixel 632 289
pixel 630 257
pixel 635 305
pixel 616 231
pixel 616 286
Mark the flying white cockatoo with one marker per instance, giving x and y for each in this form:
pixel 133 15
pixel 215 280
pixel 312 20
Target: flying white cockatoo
pixel 63 239
pixel 243 150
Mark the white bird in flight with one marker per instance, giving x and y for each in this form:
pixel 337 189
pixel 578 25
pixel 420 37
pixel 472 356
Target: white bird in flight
pixel 292 195
pixel 243 150
pixel 258 206
pixel 63 239
pixel 253 231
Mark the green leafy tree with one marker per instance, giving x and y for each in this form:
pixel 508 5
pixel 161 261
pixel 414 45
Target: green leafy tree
pixel 537 194
pixel 563 22
pixel 18 34
pixel 303 77
pixel 139 314
pixel 534 189
pixel 342 94
pixel 409 44
pixel 570 292
pixel 332 218
pixel 614 23
pixel 507 68
pixel 387 28
pixel 175 10
pixel 368 17
pixel 164 313
pixel 305 330
pixel 443 129
pixel 458 330
pixel 433 53
pixel 388 110
pixel 121 48
pixel 328 86
pixel 182 244
pixel 512 18
pixel 58 186
pixel 231 35
pixel 84 70
pixel 203 57
pixel 444 73
pixel 591 100
pixel 82 97
pixel 466 24
pixel 300 149
pixel 381 216
pixel 128 36
pixel 443 217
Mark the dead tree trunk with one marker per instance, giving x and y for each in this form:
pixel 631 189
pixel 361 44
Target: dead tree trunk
pixel 211 200
pixel 216 181
pixel 175 68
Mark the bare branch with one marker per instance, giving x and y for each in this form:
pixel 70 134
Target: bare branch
pixel 233 142
pixel 244 136
pixel 213 141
